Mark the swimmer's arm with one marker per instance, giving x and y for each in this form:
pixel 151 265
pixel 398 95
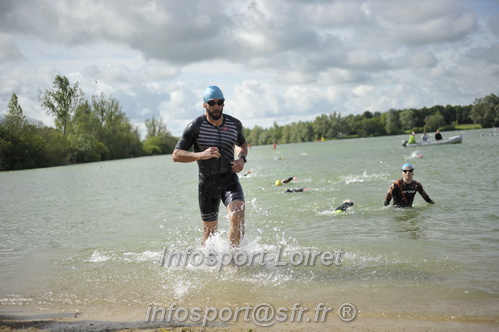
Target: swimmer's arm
pixel 182 156
pixel 242 150
pixel 388 196
pixel 238 165
pixel 425 195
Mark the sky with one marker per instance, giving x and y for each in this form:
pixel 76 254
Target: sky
pixel 275 60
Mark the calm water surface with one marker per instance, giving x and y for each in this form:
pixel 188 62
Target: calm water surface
pixel 90 237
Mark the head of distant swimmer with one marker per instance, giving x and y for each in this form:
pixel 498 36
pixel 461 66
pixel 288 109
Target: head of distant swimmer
pixel 213 102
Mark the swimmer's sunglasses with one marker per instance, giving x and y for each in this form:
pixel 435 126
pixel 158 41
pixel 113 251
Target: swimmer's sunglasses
pixel 212 102
pixel 407 170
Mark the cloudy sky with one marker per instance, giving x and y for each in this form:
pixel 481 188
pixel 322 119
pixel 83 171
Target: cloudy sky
pixel 275 60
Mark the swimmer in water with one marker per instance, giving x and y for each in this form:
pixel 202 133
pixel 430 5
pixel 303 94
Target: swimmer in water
pixel 343 207
pixel 404 190
pixel 297 190
pixel 278 183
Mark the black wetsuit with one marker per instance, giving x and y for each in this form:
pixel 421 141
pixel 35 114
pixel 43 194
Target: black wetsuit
pixel 217 181
pixel 295 190
pixel 403 194
pixel 343 207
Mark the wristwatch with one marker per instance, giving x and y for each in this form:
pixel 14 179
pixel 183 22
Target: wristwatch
pixel 244 158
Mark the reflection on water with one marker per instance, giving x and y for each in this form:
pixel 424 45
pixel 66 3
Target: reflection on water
pixel 410 223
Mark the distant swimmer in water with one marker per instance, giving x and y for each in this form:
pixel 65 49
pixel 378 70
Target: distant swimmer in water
pixel 297 190
pixel 343 207
pixel 290 179
pixel 278 183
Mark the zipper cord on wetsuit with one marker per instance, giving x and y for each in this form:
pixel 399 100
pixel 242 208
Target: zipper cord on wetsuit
pixel 402 192
pixel 220 150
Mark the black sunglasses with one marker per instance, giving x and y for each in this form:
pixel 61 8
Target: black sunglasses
pixel 407 170
pixel 212 102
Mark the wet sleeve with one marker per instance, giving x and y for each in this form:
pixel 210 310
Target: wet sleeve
pixel 389 195
pixel 424 194
pixel 188 137
pixel 240 133
pixel 344 206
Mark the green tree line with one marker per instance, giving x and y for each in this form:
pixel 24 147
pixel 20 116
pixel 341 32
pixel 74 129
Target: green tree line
pixel 97 129
pixel 86 130
pixel 484 113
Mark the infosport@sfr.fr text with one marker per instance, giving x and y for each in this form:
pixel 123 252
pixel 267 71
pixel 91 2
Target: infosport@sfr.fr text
pixel 262 314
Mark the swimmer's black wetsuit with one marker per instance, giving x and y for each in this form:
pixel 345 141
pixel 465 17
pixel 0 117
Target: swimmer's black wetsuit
pixel 343 207
pixel 403 194
pixel 217 181
pixel 295 190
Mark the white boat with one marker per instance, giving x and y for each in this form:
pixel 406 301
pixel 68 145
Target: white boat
pixel 450 140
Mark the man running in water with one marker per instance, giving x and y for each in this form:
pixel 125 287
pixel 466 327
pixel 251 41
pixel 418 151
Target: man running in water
pixel 404 190
pixel 216 137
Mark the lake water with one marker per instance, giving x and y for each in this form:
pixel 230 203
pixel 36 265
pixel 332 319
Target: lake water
pixel 90 238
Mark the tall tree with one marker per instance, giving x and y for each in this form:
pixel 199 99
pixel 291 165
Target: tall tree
pixel 485 111
pixel 62 101
pixel 255 134
pixel 158 140
pixel 118 134
pixel 337 125
pixel 85 135
pixel 407 119
pixel 15 119
pixel 156 127
pixel 321 126
pixel 433 122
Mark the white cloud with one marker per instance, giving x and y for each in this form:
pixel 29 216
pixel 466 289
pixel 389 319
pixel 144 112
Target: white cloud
pixel 277 60
pixel 8 48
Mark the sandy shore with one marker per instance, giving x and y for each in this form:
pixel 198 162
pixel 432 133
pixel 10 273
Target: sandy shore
pixel 80 322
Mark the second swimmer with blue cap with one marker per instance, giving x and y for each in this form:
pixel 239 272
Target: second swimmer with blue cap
pixel 404 190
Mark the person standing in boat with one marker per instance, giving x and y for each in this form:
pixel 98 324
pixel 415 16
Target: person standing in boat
pixel 438 136
pixel 404 190
pixel 412 138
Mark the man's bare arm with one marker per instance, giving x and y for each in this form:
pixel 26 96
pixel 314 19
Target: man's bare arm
pixel 182 156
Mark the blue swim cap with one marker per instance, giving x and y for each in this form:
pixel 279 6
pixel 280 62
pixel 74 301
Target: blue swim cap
pixel 212 92
pixel 407 165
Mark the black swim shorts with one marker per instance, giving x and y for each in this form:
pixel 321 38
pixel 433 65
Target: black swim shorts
pixel 215 188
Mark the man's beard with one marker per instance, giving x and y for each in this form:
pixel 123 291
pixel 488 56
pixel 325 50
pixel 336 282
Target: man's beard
pixel 215 117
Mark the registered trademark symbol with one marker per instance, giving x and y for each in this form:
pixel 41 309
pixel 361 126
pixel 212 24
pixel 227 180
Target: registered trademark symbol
pixel 347 312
